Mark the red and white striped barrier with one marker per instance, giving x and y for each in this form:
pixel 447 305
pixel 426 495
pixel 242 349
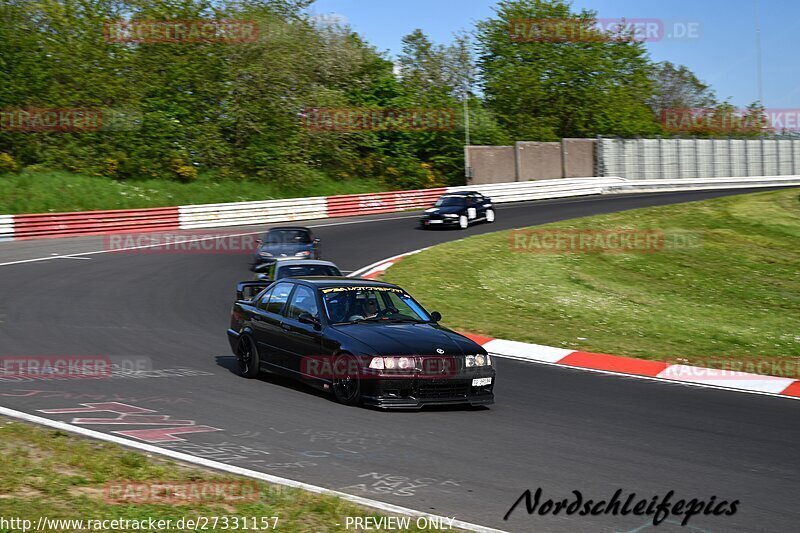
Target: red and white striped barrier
pixel 47 225
pixel 657 370
pixel 6 228
pixel 686 374
pixel 383 202
pixel 295 209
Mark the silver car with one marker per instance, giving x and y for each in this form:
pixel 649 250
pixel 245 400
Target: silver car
pixel 292 268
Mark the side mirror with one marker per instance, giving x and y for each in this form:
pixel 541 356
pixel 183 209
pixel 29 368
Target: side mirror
pixel 259 242
pixel 261 267
pixel 436 316
pixel 308 318
pixel 316 240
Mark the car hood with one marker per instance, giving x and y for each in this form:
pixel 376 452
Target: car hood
pixel 409 339
pixel 444 210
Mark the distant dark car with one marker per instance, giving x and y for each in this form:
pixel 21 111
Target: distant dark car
pixel 295 268
pixel 366 341
pixel 458 209
pixel 288 241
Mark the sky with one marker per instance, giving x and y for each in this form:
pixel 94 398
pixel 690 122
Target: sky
pixel 716 39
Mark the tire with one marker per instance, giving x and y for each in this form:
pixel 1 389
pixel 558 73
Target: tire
pixel 490 215
pixel 463 222
pixel 347 390
pixel 247 357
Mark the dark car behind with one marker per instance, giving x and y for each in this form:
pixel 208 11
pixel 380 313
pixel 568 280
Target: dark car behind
pixel 288 241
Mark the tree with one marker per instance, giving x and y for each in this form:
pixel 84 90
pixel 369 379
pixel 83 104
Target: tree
pixel 577 83
pixel 677 87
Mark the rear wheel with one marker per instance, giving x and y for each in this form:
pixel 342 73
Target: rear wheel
pixel 247 357
pixel 347 387
pixel 463 222
pixel 490 215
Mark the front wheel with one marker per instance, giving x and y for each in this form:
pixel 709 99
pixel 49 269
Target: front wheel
pixel 463 222
pixel 347 387
pixel 490 215
pixel 247 357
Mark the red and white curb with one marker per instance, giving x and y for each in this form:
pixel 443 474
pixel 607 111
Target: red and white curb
pixel 613 364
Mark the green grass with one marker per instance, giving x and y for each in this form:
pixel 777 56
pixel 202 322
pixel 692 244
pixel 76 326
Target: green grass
pixel 735 297
pixel 44 191
pixel 50 473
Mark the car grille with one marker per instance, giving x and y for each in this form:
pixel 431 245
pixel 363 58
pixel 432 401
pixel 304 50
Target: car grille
pixel 443 389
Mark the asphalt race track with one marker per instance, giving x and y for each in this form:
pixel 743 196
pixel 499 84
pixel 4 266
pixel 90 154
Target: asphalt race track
pixel 554 428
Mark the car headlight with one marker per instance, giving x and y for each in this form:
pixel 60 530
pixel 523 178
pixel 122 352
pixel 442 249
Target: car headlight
pixel 478 360
pixel 265 254
pixel 392 363
pixel 304 253
pixel 451 215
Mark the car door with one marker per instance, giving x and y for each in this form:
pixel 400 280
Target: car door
pixel 472 208
pixel 481 205
pixel 301 340
pixel 258 324
pixel 269 336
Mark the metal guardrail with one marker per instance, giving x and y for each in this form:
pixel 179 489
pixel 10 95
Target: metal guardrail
pixel 292 209
pixel 249 213
pixel 382 202
pixel 93 222
pixel 661 185
pixel 6 227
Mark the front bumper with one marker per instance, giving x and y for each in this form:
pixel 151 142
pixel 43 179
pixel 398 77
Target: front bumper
pixel 233 340
pixel 414 393
pixel 433 222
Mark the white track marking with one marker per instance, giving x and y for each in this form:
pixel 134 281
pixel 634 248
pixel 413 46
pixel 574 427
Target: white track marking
pixel 187 458
pixel 80 255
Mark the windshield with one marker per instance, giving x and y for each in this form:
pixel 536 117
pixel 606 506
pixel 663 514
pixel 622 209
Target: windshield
pixel 294 271
pixel 450 201
pixel 287 236
pixel 371 304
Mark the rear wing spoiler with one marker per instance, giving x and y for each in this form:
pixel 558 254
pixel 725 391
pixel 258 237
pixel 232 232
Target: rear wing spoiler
pixel 246 290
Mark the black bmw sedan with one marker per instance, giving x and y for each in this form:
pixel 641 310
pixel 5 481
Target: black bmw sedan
pixel 366 341
pixel 458 209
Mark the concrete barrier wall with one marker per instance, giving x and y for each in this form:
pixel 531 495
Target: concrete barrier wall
pixel 530 160
pixel 578 156
pixel 538 161
pixel 491 164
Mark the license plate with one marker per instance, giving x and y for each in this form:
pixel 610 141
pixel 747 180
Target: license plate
pixel 435 221
pixel 480 382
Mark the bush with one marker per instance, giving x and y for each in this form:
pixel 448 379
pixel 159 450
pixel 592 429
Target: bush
pixel 7 163
pixel 184 170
